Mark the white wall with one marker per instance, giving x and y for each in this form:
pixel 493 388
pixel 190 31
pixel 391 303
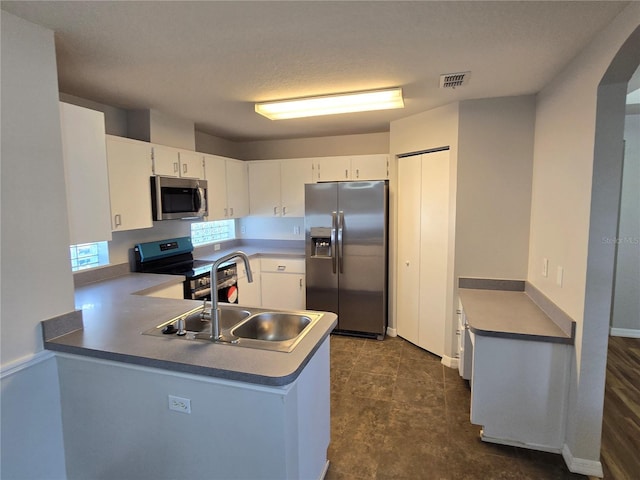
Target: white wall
pixel 560 220
pixel 626 302
pixel 36 274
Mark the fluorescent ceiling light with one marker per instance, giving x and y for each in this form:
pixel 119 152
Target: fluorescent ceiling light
pixel 332 104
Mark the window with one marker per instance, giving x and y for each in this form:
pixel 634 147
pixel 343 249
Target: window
pixel 211 232
pixel 89 255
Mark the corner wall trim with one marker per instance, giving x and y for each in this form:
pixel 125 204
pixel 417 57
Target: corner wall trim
pixel 450 362
pixel 625 332
pixel 392 332
pixel 24 363
pixel 581 465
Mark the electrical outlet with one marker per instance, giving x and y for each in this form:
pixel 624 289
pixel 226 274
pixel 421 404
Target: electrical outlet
pixel 545 267
pixel 243 229
pixel 216 247
pixel 296 230
pixel 179 404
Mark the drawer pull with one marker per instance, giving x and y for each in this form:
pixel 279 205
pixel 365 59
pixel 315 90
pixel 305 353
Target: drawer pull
pixel 281 268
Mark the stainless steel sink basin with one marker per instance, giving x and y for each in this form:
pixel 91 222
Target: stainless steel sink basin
pixel 251 327
pixel 272 326
pixel 195 323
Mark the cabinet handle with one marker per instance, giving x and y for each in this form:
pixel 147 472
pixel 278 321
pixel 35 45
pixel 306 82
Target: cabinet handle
pixel 118 220
pixel 407 263
pixel 357 173
pixel 231 211
pixel 176 168
pixel 346 173
pixel 226 212
pixel 284 211
pixel 275 210
pixel 281 268
pixel 184 168
pixel 301 283
pixel 458 332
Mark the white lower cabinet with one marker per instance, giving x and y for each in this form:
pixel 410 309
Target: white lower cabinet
pixel 519 391
pixel 283 283
pixel 249 294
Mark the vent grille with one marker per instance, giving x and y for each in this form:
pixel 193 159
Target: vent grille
pixel 453 80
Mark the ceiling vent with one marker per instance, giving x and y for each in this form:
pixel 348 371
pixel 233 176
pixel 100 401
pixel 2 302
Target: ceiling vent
pixel 453 80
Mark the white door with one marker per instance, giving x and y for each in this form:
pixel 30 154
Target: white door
pixel 294 174
pixel 264 188
pixel 423 249
pixel 409 195
pixel 434 248
pixel 216 175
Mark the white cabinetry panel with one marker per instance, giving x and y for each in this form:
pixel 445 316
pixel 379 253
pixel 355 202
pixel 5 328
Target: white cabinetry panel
pixel 129 163
pixel 86 174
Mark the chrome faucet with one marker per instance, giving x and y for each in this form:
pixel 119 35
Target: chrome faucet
pixel 215 310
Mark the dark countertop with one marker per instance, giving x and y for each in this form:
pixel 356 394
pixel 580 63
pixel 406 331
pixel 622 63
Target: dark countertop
pixel 115 312
pixel 509 314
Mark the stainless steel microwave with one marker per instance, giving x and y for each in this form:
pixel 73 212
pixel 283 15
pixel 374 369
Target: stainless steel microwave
pixel 176 198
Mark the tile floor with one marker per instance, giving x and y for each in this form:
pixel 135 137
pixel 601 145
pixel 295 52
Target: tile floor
pixel 398 413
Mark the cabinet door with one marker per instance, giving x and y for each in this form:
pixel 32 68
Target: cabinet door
pixel 409 188
pixel 264 188
pixel 166 161
pixel 216 175
pixel 129 164
pixel 237 189
pixel 332 169
pixel 249 294
pixel 283 291
pixel 191 164
pixel 294 174
pixel 86 174
pixel 370 167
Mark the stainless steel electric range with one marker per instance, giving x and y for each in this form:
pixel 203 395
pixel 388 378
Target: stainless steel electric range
pixel 175 257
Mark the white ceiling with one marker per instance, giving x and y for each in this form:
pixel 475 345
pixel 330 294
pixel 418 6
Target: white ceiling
pixel 210 61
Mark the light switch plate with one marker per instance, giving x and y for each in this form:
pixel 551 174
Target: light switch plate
pixel 559 276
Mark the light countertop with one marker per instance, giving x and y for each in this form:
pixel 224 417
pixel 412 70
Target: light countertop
pixel 115 312
pixel 509 314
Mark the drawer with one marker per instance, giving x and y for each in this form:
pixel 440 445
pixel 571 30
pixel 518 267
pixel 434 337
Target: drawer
pixel 282 265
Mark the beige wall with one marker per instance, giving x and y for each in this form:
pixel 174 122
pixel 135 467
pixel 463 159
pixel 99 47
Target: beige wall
pixel 495 158
pixel 35 268
pixel 363 144
pixel 561 218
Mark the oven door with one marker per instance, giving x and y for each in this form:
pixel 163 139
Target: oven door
pixel 228 290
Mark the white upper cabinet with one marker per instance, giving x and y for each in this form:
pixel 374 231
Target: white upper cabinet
pixel 276 187
pixel 174 162
pixel 237 188
pixel 129 163
pixel 294 173
pixel 264 188
pixel 357 167
pixel 86 177
pixel 227 187
pixel 370 167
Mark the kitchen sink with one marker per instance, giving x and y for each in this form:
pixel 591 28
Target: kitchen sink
pixel 272 326
pixel 257 328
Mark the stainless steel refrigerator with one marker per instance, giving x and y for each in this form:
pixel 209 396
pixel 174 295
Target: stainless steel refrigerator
pixel 346 249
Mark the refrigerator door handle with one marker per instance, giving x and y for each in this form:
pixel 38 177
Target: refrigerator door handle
pixel 333 241
pixel 340 243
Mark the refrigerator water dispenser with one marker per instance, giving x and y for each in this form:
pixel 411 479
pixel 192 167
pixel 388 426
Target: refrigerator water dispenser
pixel 320 242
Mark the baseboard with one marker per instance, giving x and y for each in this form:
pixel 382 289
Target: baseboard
pixel 450 362
pixel 624 332
pixel 392 332
pixel 24 362
pixel 582 466
pixel 324 471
